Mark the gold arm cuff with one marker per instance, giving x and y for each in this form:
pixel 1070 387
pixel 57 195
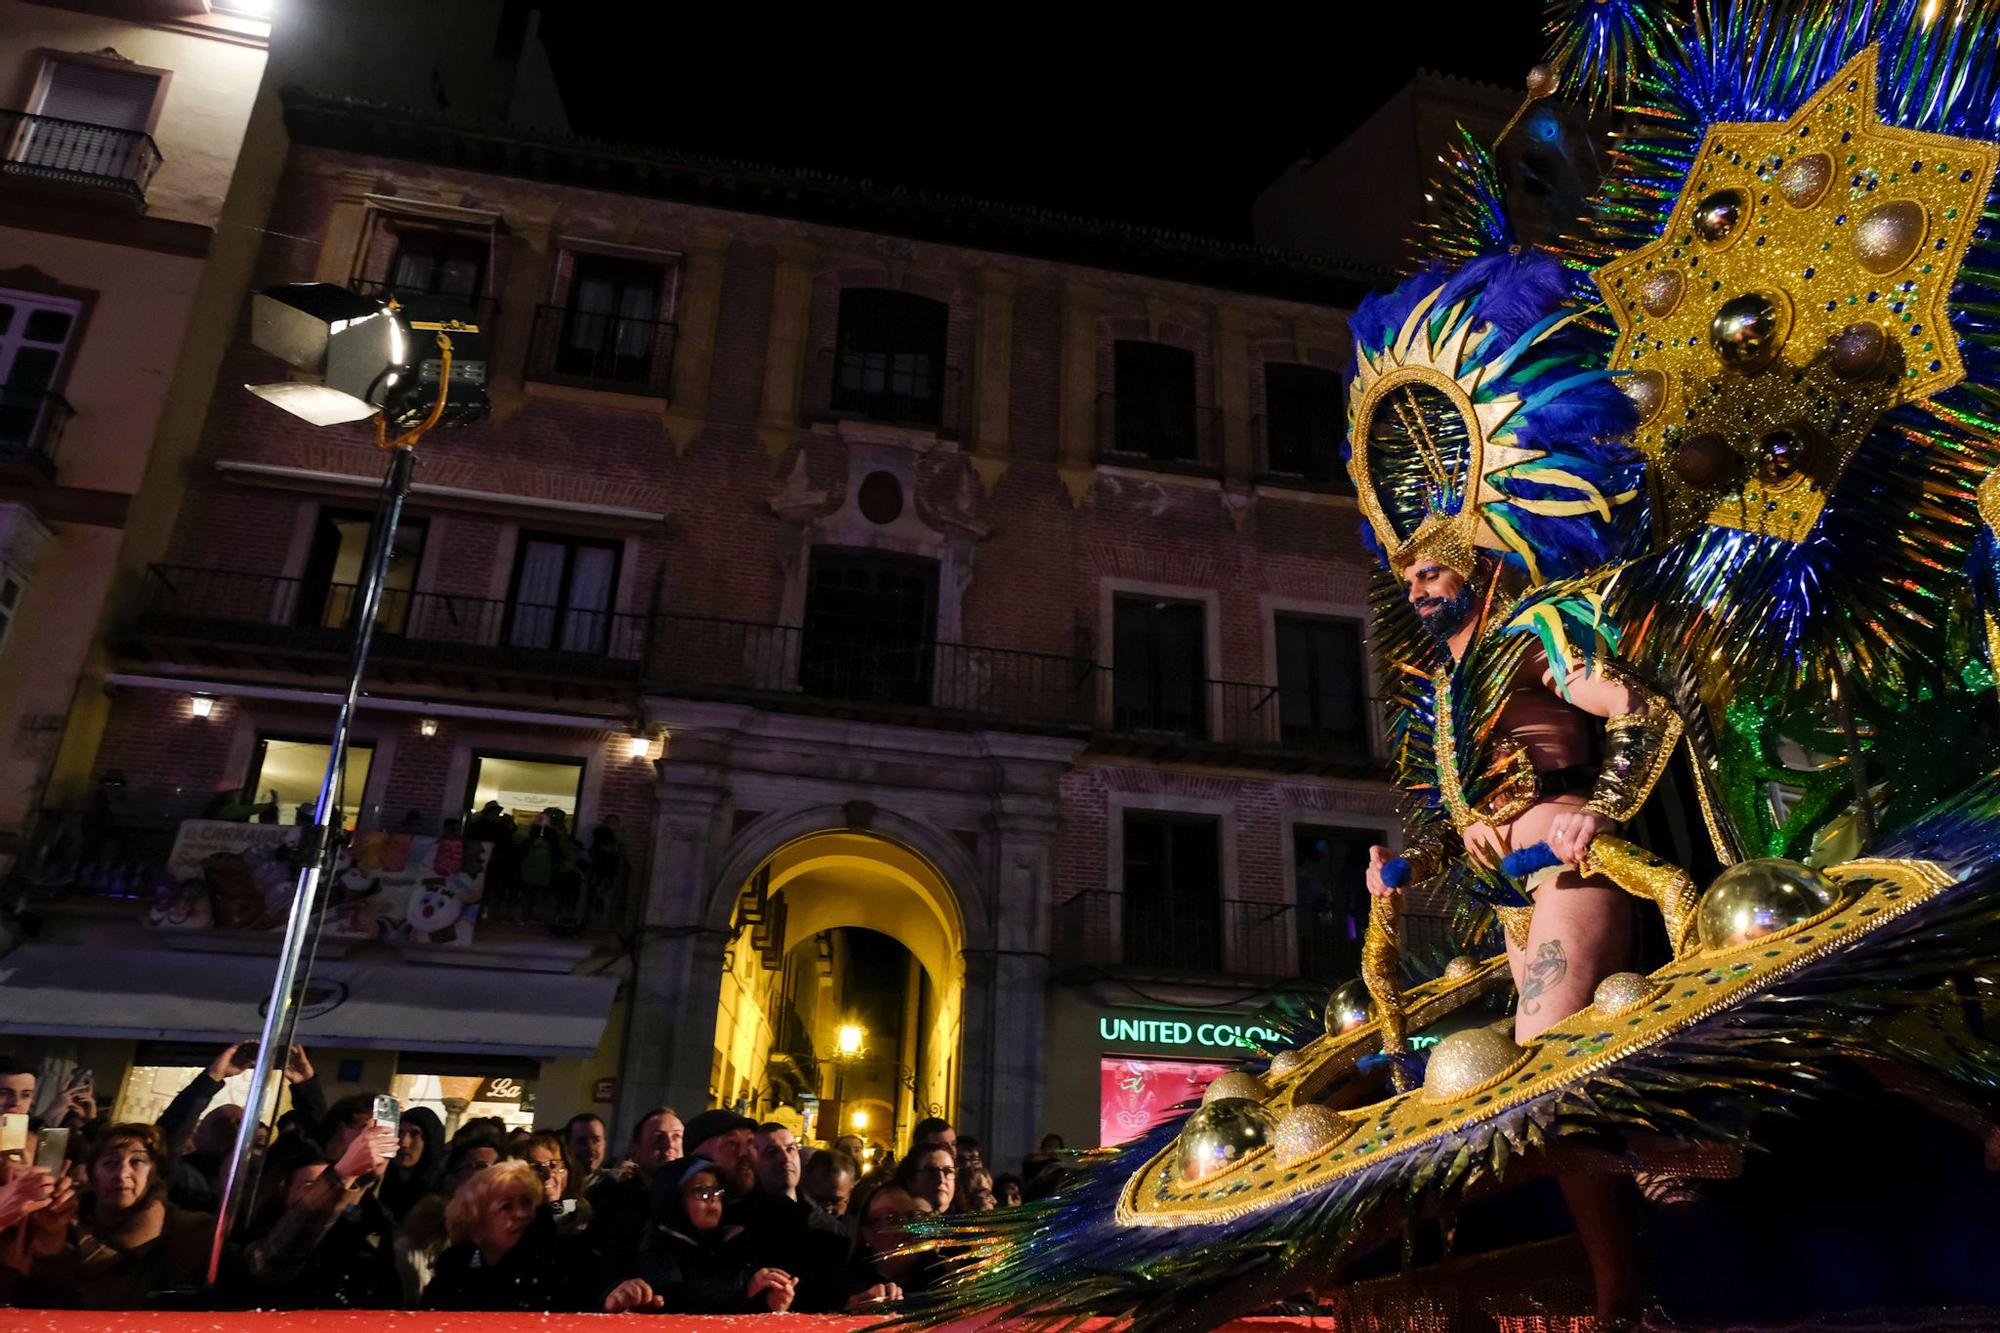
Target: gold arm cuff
pixel 1379 962
pixel 1637 749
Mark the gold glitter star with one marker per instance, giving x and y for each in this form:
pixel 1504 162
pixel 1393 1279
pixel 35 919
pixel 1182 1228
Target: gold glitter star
pixel 1797 292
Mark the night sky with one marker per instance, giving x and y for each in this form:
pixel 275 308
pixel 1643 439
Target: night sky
pixel 1093 123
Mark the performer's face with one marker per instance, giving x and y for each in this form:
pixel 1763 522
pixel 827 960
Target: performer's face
pixel 1442 597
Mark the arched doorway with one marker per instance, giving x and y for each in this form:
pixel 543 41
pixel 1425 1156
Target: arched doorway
pixel 842 989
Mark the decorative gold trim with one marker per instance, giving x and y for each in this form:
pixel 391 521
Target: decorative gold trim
pixel 1567 1055
pixel 1445 750
pixel 1484 1085
pixel 1453 545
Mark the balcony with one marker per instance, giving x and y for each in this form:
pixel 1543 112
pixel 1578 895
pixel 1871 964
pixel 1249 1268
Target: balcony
pixel 1136 433
pixel 593 350
pixel 119 853
pixel 1286 464
pixel 1164 717
pixel 903 391
pixel 1184 934
pixel 31 425
pixel 224 617
pixel 216 617
pixel 435 307
pixel 74 152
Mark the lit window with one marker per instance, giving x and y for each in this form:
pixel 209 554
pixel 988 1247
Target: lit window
pixel 285 780
pixel 524 788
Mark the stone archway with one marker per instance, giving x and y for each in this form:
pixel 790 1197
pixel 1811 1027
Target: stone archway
pixel 818 886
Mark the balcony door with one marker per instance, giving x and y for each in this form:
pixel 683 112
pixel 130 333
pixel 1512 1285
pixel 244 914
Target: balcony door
pixel 1321 686
pixel 870 627
pixel 562 595
pixel 1159 667
pixel 329 589
pixel 890 358
pixel 1329 870
pixel 613 317
pixel 93 120
pixel 1155 415
pixel 439 272
pixel 34 331
pixel 1173 892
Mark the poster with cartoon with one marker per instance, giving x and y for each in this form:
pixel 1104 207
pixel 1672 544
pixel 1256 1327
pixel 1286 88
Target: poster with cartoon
pixel 1135 1093
pixel 396 887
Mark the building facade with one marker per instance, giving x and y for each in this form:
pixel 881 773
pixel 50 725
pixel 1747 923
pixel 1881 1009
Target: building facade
pixel 123 130
pixel 837 566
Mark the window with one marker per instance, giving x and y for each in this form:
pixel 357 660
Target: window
pixel 329 589
pixel 1321 684
pixel 1303 422
pixel 34 332
pixel 1329 866
pixel 563 588
pixel 611 327
pixel 1155 402
pixel 525 786
pixel 889 362
pixel 1159 677
pixel 1173 891
pixel 286 773
pixel 93 128
pixel 437 271
pixel 870 627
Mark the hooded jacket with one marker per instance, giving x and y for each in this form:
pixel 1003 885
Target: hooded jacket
pixel 693 1272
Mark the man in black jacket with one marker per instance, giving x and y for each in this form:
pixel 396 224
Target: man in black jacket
pixel 196 1182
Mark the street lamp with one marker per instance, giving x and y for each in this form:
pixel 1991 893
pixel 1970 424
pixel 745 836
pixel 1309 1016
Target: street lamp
pixel 849 1041
pixel 359 358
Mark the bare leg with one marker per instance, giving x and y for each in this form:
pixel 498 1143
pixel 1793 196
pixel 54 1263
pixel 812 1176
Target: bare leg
pixel 1582 933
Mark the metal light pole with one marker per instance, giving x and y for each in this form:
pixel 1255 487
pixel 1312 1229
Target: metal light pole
pixel 320 844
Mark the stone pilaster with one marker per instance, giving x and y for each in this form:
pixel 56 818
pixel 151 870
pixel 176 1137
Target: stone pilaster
pixel 785 353
pixel 992 374
pixel 700 308
pixel 1077 448
pixel 1232 398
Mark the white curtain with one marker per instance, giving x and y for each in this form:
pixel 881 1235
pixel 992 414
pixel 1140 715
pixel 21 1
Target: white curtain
pixel 536 594
pixel 589 600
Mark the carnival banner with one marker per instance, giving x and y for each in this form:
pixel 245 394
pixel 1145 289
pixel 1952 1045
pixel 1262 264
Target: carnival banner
pixel 396 887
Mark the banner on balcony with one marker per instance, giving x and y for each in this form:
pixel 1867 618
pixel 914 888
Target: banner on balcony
pixel 398 887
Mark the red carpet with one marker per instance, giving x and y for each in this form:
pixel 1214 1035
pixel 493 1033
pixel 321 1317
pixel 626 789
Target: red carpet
pixel 399 1321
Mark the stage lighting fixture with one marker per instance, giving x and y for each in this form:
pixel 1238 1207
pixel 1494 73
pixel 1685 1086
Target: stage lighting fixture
pixel 363 356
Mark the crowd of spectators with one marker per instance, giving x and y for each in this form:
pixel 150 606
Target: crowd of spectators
pixel 716 1214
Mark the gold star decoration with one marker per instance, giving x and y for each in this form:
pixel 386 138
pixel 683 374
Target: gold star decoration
pixel 1797 292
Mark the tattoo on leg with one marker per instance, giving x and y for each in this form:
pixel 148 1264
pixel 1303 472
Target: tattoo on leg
pixel 1547 969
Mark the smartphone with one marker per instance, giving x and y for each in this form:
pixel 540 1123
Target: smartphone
pixel 82 1078
pixel 13 1133
pixel 247 1054
pixel 388 1111
pixel 52 1151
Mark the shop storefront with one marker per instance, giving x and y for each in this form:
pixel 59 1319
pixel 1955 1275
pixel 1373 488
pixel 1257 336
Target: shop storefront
pixel 1115 1070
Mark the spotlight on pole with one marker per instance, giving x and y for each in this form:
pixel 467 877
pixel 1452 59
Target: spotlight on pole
pixel 362 356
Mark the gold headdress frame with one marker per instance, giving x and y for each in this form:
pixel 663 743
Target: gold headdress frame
pixel 1448 539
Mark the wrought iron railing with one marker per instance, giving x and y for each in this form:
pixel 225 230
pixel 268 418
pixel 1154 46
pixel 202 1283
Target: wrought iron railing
pixel 419 304
pixel 1229 714
pixel 77 152
pixel 235 607
pixel 1136 433
pixel 1189 933
pixel 595 349
pixel 875 387
pixel 31 426
pixel 1307 465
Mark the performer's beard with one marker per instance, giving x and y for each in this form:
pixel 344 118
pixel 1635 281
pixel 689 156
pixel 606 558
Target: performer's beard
pixel 1446 616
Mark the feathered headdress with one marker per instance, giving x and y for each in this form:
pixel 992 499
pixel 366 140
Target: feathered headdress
pixel 1480 416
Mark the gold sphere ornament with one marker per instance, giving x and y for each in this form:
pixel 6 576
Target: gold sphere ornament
pixel 1468 1060
pixel 1306 1130
pixel 1859 350
pixel 1890 235
pixel 1349 1007
pixel 1221 1134
pixel 1284 1062
pixel 1647 389
pixel 1621 993
pixel 1719 216
pixel 1805 180
pixel 1660 293
pixel 1752 899
pixel 1461 967
pixel 1749 330
pixel 1234 1085
pixel 1783 454
pixel 1705 460
pixel 1541 79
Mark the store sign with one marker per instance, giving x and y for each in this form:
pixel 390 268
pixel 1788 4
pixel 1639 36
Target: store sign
pixel 1190 1033
pixel 500 1090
